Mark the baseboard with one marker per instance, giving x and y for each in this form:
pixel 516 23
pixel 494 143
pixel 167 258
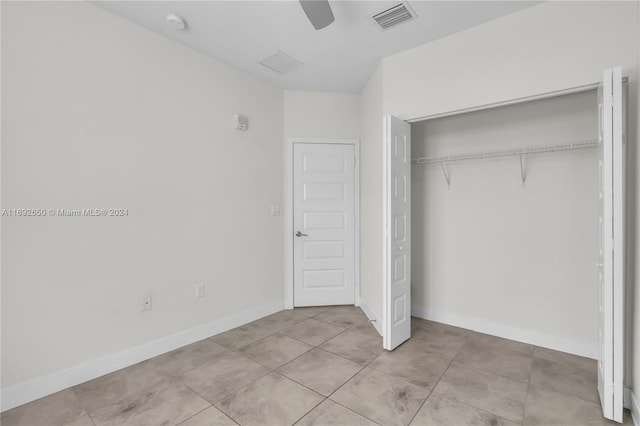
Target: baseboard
pixel 575 347
pixel 42 386
pixel 633 404
pixel 371 315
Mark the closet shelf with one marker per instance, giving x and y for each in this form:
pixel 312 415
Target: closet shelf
pixel 508 152
pixel 521 152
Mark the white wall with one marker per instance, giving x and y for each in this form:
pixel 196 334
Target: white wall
pixel 371 197
pixel 101 113
pixel 321 115
pixel 547 47
pixel 490 250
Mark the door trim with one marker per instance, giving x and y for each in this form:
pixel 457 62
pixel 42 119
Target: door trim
pixel 288 214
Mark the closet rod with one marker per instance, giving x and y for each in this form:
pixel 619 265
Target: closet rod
pixel 508 152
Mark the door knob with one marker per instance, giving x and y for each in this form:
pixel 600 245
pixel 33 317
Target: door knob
pixel 300 234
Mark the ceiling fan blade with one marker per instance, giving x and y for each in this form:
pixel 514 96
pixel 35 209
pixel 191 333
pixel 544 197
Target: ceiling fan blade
pixel 319 12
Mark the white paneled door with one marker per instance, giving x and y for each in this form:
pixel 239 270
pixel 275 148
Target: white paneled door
pixel 397 231
pixel 323 224
pixel 611 245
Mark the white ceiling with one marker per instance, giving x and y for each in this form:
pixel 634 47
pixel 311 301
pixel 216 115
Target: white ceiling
pixel 338 58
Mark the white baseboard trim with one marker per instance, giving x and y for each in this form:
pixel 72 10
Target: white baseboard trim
pixel 632 402
pixel 371 315
pixel 575 347
pixel 42 386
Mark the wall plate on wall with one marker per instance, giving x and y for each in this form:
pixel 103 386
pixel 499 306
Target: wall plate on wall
pixel 240 121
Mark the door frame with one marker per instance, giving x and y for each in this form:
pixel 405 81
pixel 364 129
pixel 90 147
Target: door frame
pixel 288 214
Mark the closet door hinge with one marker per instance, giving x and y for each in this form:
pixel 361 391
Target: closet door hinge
pixel 354 161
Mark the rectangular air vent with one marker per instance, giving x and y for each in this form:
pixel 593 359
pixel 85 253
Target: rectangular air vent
pixel 396 15
pixel 281 63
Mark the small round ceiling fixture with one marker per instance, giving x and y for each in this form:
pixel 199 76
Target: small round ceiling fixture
pixel 175 22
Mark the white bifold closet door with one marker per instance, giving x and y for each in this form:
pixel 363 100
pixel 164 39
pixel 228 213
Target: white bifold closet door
pixel 397 233
pixel 611 245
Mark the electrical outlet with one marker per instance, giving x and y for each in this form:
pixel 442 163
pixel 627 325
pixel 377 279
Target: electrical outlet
pixel 199 291
pixel 146 302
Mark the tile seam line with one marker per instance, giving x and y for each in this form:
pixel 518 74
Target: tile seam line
pixel 355 412
pixel 466 339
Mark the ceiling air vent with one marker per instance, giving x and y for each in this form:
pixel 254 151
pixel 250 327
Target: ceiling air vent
pixel 281 63
pixel 394 16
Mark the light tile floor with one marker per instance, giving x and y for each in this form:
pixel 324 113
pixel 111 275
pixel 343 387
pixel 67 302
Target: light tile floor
pixel 326 366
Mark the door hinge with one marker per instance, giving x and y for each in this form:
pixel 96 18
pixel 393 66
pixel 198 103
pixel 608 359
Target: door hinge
pixel 354 161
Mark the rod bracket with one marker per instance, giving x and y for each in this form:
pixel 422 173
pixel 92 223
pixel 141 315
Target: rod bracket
pixel 445 172
pixel 523 173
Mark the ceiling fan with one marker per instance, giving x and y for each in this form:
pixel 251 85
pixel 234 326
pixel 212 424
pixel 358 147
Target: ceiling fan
pixel 319 12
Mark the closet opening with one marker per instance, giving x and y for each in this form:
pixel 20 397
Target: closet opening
pixel 505 221
pixel 516 224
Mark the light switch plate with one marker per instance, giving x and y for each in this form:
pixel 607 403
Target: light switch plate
pixel 199 291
